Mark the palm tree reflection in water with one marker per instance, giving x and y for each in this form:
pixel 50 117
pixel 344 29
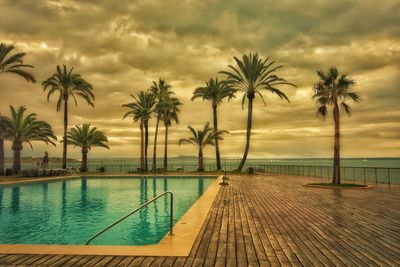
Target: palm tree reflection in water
pixel 1 200
pixel 144 225
pixel 63 201
pixel 15 199
pixel 45 187
pixel 84 200
pixel 201 186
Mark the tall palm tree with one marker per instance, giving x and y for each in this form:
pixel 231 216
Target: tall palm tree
pixel 202 138
pixel 14 64
pixel 141 109
pixel 170 109
pixel 5 123
pixel 253 76
pixel 333 89
pixel 26 129
pixel 215 91
pixel 67 85
pixel 160 90
pixel 86 137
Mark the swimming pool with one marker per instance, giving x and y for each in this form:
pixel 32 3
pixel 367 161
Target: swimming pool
pixel 68 212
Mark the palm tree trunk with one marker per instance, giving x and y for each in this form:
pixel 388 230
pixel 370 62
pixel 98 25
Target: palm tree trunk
pixel 336 148
pixel 200 167
pixel 64 159
pixel 84 159
pixel 166 149
pixel 16 147
pixel 146 143
pixel 250 97
pixel 141 147
pixel 215 117
pixel 2 153
pixel 154 166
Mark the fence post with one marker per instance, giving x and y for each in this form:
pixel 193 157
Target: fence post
pixel 376 176
pixel 388 175
pixel 344 173
pixel 364 174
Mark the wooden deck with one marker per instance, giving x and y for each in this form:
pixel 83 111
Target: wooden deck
pixel 264 220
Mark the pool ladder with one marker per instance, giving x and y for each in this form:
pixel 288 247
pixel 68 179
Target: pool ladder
pixel 137 209
pixel 72 172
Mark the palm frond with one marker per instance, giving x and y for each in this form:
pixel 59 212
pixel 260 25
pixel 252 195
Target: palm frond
pixel 68 84
pixel 28 128
pixel 86 136
pixel 346 108
pixel 332 88
pixel 14 63
pixel 254 74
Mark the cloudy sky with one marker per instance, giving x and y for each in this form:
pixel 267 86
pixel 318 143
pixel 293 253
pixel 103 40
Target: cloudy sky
pixel 122 46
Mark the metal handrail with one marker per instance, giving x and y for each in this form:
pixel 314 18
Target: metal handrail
pixel 137 209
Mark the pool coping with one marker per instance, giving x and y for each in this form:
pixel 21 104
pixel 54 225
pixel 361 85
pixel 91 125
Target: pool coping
pixel 180 244
pixel 97 175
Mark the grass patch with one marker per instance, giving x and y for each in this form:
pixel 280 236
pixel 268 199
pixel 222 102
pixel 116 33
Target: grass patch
pixel 338 185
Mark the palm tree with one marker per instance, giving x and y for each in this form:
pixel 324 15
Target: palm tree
pixel 26 129
pixel 202 138
pixel 160 90
pixel 170 109
pixel 333 89
pixel 4 125
pixel 253 76
pixel 14 63
pixel 68 85
pixel 86 137
pixel 215 91
pixel 141 109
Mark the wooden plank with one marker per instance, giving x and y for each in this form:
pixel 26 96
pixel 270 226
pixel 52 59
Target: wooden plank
pixel 180 261
pixel 169 261
pixel 223 233
pixel 72 261
pixel 231 241
pixel 147 261
pixel 126 261
pixel 93 261
pixel 116 261
pixel 211 252
pixel 84 260
pixel 137 261
pixel 21 259
pixel 9 259
pixel 104 261
pixel 158 261
pixel 32 260
pixel 63 260
pixel 241 249
pixel 52 260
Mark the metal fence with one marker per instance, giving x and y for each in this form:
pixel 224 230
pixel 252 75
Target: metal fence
pixel 365 174
pixel 349 174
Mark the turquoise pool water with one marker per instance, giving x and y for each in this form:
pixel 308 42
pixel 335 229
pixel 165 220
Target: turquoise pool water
pixel 71 211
